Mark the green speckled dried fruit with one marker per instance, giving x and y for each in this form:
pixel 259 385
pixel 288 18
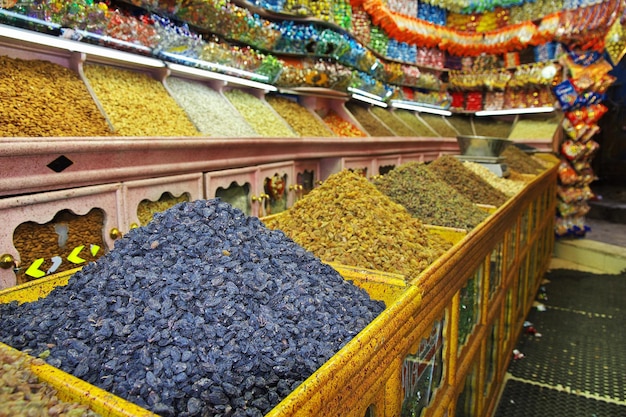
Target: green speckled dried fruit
pixel 429 198
pixel 348 221
pixel 452 171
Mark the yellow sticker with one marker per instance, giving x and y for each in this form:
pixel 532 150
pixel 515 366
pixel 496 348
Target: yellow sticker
pixel 34 271
pixel 94 249
pixel 74 258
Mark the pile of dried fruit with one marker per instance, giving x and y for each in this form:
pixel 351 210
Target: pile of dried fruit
pixel 204 311
pixel 40 98
pixel 388 118
pixel 211 113
pixel 439 125
pixel 535 129
pixel 462 123
pixel 429 198
pixel 299 117
pixel 137 104
pixel 259 115
pixel 370 123
pixel 22 394
pixel 452 171
pixel 492 127
pixel 341 127
pixel 520 161
pixel 507 186
pixel 418 128
pixel 348 221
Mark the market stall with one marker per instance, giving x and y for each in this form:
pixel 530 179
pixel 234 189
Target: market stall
pixel 123 116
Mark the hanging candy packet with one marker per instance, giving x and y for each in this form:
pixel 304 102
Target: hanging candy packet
pixel 569 194
pixel 567 95
pixel 567 174
pixel 584 171
pixel 587 115
pixel 573 150
pixel 585 78
pixel 589 133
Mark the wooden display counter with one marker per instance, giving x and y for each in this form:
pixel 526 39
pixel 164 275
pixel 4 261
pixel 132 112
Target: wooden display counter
pixel 443 343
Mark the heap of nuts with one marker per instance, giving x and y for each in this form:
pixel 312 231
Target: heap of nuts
pixel 520 161
pixel 508 186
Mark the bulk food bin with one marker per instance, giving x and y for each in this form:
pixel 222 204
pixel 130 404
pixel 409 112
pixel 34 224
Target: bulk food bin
pixel 381 286
pixel 68 387
pixel 444 340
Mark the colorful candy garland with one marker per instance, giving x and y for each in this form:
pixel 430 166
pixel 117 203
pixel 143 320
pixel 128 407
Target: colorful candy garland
pixel 584 26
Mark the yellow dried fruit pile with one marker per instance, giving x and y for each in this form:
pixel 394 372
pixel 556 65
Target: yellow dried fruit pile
pixel 299 118
pixel 42 99
pixel 259 115
pixel 137 104
pixel 348 221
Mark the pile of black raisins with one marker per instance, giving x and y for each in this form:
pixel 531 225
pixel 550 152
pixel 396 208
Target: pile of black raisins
pixel 203 312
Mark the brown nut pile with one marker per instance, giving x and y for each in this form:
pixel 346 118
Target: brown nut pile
pixel 59 237
pixel 137 104
pixel 396 125
pixel 146 208
pixel 429 198
pixel 259 115
pixel 40 98
pixel 298 117
pixel 212 114
pixel 417 127
pixel 22 394
pixel 520 161
pixel 348 221
pixel 452 171
pixel 370 123
pixel 507 186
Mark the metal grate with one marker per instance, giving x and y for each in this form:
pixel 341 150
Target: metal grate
pixel 521 399
pixel 578 365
